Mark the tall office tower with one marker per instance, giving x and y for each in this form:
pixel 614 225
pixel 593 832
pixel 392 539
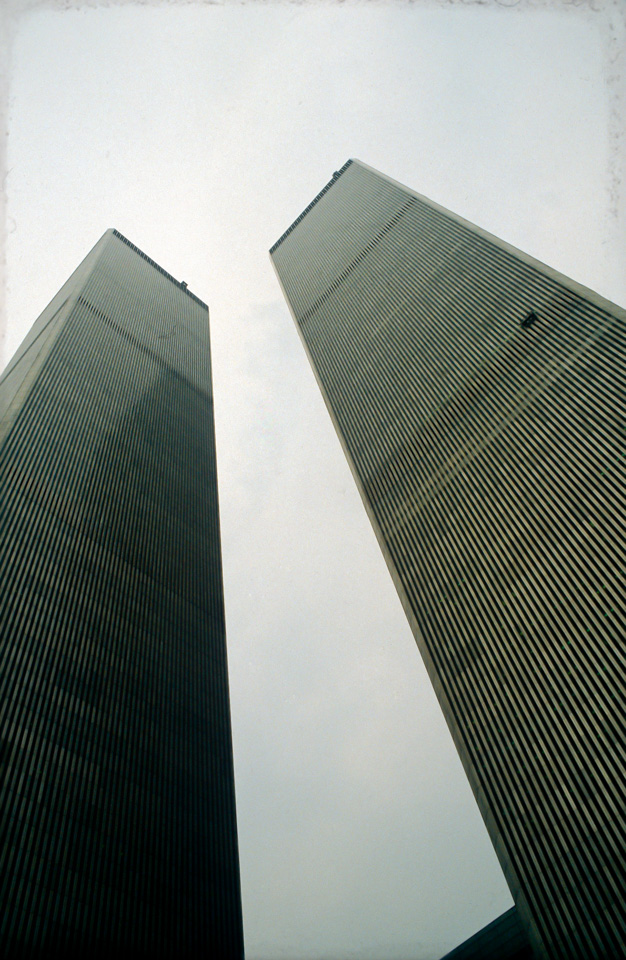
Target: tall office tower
pixel 117 794
pixel 479 397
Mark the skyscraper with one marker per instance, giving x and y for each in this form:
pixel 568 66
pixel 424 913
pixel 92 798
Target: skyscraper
pixel 117 794
pixel 479 397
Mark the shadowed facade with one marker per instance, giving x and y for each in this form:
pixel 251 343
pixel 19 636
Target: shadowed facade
pixel 479 398
pixel 118 808
pixel 503 939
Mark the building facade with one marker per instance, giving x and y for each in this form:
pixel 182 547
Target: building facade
pixel 117 793
pixel 502 939
pixel 479 397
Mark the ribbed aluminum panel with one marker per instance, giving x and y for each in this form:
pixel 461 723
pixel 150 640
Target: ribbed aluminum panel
pixel 479 397
pixel 117 793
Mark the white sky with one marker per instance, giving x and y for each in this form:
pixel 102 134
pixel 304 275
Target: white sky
pixel 201 131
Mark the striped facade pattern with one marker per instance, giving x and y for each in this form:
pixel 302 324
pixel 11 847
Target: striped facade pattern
pixel 117 795
pixel 479 397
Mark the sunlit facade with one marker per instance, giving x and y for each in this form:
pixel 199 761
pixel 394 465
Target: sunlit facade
pixel 479 397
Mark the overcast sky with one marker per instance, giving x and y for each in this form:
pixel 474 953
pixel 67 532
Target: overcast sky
pixel 201 131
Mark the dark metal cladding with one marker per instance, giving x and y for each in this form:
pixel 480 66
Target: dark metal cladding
pixel 117 797
pixel 503 939
pixel 490 452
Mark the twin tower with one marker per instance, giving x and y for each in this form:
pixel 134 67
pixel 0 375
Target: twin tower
pixel 479 398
